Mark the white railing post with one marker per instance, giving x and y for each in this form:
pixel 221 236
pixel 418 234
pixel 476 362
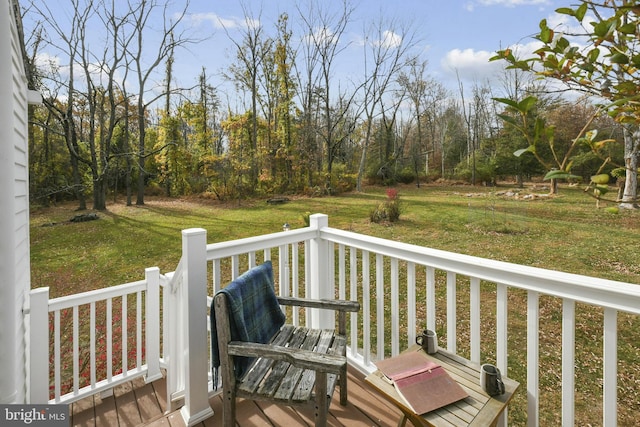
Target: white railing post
pixel 194 251
pixel 452 315
pixel 395 308
pixel 610 369
pixel 380 304
pixel 319 280
pixel 173 338
pixel 568 363
pixel 533 359
pixel 39 346
pixel 152 324
pixel 366 307
pixel 283 268
pixel 431 298
pixel 475 319
pixel 411 303
pixel 501 339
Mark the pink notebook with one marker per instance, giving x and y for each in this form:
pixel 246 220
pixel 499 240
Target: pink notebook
pixel 424 385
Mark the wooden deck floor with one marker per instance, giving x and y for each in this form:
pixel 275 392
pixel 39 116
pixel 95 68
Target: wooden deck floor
pixel 140 404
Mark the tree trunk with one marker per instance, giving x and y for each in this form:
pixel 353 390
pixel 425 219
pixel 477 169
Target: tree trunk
pixel 141 154
pixel 363 159
pixel 78 186
pixel 632 152
pixel 100 194
pixel 361 167
pixel 128 180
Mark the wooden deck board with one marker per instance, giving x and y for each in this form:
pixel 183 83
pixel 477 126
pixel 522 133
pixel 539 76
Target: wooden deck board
pixel 139 404
pixel 126 406
pixel 280 414
pixel 146 400
pixel 83 414
pixel 105 411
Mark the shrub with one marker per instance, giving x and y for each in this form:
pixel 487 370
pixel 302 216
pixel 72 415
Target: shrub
pixel 406 176
pixel 484 173
pixel 389 210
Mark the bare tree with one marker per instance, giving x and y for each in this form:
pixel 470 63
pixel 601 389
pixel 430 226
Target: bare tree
pixel 308 77
pixel 480 118
pixel 276 99
pixel 414 84
pixel 96 93
pixel 428 101
pixel 250 55
pixel 485 118
pixel 324 29
pixel 395 135
pixel 146 60
pixel 385 55
pixel 106 100
pixel 70 39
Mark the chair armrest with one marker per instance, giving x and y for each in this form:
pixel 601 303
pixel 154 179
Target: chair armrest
pixel 339 305
pixel 301 358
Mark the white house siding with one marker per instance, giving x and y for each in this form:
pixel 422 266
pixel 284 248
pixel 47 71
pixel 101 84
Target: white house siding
pixel 14 208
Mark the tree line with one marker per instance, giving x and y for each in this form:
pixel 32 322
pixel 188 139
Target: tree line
pixel 116 121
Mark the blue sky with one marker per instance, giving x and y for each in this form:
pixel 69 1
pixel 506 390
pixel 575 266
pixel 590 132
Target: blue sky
pixel 456 37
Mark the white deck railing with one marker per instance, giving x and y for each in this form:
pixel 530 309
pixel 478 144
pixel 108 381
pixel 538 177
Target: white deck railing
pixel 475 277
pixel 99 339
pixel 402 289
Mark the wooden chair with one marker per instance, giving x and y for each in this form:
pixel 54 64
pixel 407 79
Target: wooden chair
pixel 297 367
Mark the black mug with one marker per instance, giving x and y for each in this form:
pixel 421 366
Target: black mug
pixel 428 340
pixel 491 380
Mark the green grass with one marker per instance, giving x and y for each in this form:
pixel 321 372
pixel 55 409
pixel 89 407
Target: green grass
pixel 565 233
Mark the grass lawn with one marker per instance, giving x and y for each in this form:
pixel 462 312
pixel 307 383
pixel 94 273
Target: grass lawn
pixel 565 233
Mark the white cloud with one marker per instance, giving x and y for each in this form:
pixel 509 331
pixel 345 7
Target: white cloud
pixel 389 40
pixel 198 18
pixel 322 36
pixel 470 6
pixel 219 22
pixel 525 50
pixel 470 64
pixel 46 61
pixel 513 3
pixel 567 24
pixel 563 25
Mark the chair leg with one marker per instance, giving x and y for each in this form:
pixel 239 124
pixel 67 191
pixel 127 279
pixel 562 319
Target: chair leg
pixel 343 386
pixel 228 408
pixel 322 401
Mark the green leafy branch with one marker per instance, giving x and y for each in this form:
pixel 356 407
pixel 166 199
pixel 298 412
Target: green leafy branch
pixel 518 114
pixel 605 66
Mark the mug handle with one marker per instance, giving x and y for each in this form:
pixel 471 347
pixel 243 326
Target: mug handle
pixel 499 383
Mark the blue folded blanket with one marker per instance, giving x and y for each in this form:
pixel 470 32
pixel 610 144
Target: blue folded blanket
pixel 255 315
